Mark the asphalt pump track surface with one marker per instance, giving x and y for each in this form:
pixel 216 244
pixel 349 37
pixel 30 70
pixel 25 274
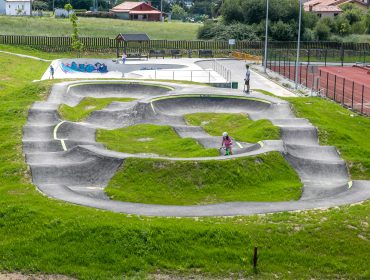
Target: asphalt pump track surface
pixel 68 164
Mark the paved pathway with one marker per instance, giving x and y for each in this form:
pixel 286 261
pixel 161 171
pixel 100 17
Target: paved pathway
pixel 258 81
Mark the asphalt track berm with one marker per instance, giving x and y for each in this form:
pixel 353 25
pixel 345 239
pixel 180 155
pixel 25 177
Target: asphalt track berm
pixel 68 164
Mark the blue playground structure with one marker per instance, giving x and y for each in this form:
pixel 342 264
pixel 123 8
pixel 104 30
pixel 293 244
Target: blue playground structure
pixel 88 68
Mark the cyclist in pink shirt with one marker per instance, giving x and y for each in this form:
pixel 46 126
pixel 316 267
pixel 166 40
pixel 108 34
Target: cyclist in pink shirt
pixel 227 142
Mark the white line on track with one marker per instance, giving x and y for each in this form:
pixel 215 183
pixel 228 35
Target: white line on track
pixel 151 104
pixel 240 145
pixel 55 132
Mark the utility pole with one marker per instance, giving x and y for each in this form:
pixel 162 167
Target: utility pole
pixel 161 10
pixel 266 35
pixel 298 44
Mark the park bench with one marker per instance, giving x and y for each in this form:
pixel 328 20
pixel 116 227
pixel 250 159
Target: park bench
pixel 176 53
pixel 205 53
pixel 138 55
pixel 157 53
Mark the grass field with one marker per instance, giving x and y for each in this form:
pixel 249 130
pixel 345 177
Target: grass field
pixel 239 126
pixel 86 107
pixel 152 139
pixel 263 178
pixel 96 27
pixel 38 234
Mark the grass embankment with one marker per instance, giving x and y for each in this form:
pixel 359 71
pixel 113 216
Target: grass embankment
pixel 152 139
pixel 341 128
pixel 239 126
pixel 262 178
pixel 96 27
pixel 86 107
pixel 27 50
pixel 38 234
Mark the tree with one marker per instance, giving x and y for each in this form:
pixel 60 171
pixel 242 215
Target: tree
pixel 343 25
pixel 68 7
pixel 178 12
pixel 76 43
pixel 322 31
pixel 282 31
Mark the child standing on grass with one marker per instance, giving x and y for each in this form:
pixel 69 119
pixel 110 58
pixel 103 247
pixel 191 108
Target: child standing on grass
pixel 227 142
pixel 51 72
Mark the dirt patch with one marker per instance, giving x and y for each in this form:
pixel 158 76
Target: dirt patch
pixel 20 276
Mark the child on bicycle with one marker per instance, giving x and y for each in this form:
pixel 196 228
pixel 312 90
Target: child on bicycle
pixel 227 142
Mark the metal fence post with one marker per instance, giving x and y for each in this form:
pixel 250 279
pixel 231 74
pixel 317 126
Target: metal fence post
pixel 362 99
pixel 344 82
pixel 353 89
pixel 327 83
pixel 335 86
pixel 209 76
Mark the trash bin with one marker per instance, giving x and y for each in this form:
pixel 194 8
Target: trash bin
pixel 234 85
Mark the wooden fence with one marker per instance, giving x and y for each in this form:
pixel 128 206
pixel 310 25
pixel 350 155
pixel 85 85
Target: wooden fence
pixel 104 44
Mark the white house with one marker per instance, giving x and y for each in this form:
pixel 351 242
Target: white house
pixel 18 7
pixel 2 7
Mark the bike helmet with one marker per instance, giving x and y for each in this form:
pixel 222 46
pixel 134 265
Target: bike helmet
pixel 225 134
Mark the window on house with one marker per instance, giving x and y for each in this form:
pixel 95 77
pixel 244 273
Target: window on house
pixel 335 14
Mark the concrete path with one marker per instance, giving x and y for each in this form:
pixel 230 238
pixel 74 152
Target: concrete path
pixel 68 164
pixel 237 68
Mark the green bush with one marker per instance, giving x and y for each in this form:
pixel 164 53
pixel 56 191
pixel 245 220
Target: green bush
pixel 283 31
pixel 322 31
pixel 220 31
pixel 97 14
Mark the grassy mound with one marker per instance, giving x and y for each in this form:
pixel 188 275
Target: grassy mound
pixel 262 178
pixel 153 139
pixel 239 126
pixel 341 128
pixel 86 107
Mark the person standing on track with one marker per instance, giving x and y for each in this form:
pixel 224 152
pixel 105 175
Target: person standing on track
pixel 228 143
pixel 51 69
pixel 247 79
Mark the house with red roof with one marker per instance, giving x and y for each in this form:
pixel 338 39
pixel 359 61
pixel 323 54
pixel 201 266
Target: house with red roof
pixel 331 8
pixel 137 11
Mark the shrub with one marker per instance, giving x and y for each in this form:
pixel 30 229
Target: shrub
pixel 97 14
pixel 282 31
pixel 322 31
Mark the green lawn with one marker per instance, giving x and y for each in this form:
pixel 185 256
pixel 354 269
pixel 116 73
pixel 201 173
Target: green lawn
pixel 262 178
pixel 239 126
pixel 96 27
pixel 42 235
pixel 27 50
pixel 86 107
pixel 152 139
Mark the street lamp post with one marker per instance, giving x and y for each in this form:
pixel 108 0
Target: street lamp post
pixel 298 44
pixel 266 35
